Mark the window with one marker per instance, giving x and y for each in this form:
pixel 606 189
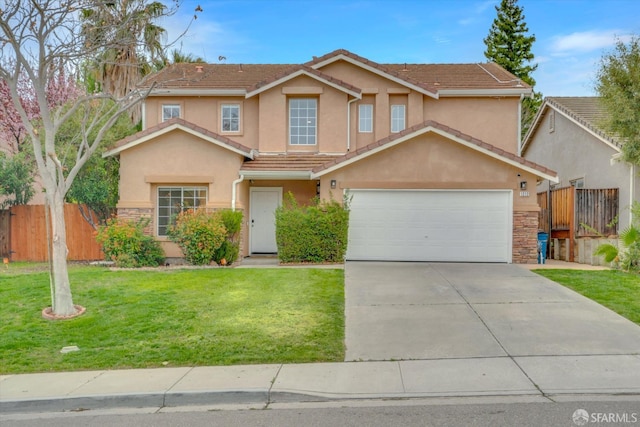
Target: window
pixel 578 183
pixel 230 117
pixel 173 200
pixel 303 113
pixel 397 118
pixel 170 111
pixel 365 114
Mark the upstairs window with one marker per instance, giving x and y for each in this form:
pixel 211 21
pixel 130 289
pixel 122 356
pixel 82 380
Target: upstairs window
pixel 397 118
pixel 365 118
pixel 303 121
pixel 170 111
pixel 230 117
pixel 173 200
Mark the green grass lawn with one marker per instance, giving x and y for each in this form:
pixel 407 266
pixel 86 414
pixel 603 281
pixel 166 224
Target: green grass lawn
pixel 614 289
pixel 173 317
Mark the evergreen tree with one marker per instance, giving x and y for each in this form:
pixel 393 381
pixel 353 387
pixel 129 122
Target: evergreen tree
pixel 509 45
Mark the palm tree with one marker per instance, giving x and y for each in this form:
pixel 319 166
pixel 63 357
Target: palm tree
pixel 116 69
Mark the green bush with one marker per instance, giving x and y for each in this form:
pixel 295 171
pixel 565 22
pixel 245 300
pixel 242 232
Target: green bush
pixel 627 258
pixel 199 234
pixel 125 243
pixel 316 233
pixel 228 252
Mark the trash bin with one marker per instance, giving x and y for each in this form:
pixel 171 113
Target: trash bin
pixel 543 240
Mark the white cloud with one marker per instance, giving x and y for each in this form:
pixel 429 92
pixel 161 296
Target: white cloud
pixel 586 41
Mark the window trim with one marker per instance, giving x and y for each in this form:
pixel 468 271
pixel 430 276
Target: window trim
pixel 315 126
pixel 175 105
pixel 182 188
pixel 394 120
pixel 367 120
pixel 223 106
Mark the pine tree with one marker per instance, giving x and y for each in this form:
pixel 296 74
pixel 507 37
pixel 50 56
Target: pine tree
pixel 509 45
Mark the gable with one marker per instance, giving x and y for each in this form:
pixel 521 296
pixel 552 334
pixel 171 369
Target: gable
pixel 153 133
pixel 452 135
pixel 581 112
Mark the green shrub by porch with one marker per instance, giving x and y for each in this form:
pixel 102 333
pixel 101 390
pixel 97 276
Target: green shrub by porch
pixel 315 233
pixel 199 234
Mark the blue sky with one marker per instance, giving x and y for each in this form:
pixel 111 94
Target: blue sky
pixel 571 35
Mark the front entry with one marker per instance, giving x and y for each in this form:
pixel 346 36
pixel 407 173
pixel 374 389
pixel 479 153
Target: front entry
pixel 264 201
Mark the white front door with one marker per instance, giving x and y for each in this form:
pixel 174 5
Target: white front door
pixel 264 201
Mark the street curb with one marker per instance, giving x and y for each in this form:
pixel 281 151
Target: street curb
pixel 156 400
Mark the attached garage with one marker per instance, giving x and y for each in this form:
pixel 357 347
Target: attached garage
pixel 431 225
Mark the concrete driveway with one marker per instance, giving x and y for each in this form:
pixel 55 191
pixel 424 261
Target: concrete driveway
pixel 402 311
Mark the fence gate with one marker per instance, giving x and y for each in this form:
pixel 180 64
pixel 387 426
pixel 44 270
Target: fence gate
pixel 569 213
pixel 5 233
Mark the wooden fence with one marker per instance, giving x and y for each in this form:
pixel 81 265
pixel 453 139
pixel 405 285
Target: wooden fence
pixel 570 213
pixel 23 234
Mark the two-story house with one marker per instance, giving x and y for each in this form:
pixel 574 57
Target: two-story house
pixel 424 152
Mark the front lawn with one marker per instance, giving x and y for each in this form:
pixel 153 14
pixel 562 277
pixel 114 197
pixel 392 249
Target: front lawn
pixel 616 290
pixel 173 317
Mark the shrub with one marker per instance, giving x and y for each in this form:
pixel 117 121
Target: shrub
pixel 199 234
pixel 627 258
pixel 315 233
pixel 125 243
pixel 228 252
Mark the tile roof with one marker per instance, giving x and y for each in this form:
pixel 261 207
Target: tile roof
pixel 585 110
pixel 440 76
pixel 287 162
pixel 445 129
pixel 589 111
pixel 431 77
pixel 149 132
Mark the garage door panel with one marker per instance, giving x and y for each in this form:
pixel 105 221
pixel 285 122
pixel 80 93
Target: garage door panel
pixel 409 225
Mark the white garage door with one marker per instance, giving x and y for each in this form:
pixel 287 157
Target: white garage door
pixel 430 225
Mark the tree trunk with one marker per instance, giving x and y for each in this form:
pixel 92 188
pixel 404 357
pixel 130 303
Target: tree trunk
pixel 62 304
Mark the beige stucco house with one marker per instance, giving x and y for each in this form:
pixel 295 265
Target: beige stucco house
pixel 425 152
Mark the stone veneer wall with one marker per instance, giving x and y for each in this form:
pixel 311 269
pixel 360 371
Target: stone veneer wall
pixel 137 213
pixel 525 237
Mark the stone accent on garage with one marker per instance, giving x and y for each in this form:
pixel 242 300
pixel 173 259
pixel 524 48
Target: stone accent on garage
pixel 525 237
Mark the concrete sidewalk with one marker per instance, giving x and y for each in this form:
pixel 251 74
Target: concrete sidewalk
pixel 538 378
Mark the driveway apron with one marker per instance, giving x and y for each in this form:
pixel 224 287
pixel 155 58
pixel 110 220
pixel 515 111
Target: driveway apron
pixel 402 311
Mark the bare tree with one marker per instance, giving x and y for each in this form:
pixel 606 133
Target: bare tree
pixel 41 39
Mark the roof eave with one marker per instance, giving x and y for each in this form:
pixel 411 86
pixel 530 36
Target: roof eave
pixel 197 92
pixel 484 92
pixel 275 174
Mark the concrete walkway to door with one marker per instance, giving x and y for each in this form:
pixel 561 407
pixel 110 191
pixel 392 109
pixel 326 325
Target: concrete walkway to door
pixel 498 315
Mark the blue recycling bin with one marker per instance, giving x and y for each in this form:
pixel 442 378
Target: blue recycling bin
pixel 543 240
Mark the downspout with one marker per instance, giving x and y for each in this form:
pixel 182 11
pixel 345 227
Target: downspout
pixel 520 125
pixel 349 123
pixel 233 191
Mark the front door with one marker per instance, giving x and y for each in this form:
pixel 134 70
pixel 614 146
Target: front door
pixel 264 201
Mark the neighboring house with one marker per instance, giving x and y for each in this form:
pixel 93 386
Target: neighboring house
pixel 425 152
pixel 567 136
